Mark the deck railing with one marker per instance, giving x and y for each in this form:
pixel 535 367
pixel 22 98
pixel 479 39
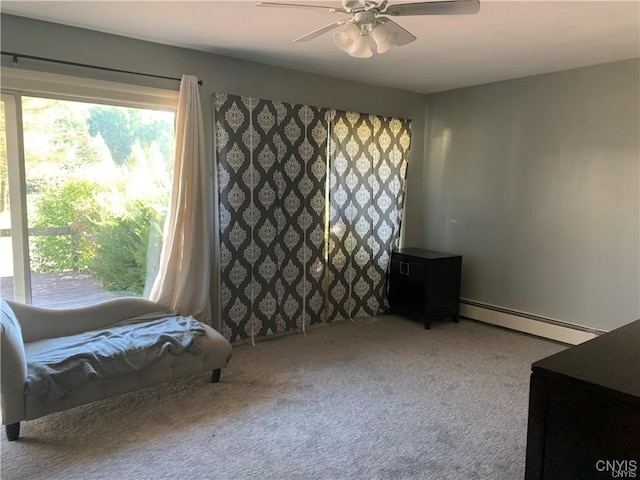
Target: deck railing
pixel 59 289
pixel 40 231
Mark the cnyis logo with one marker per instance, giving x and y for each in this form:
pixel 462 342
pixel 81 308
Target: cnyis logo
pixel 618 468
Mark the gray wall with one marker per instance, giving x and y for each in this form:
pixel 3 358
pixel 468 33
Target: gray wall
pixel 536 182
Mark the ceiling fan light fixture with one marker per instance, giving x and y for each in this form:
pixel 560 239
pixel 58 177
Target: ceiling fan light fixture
pixel 346 38
pixel 384 38
pixel 361 47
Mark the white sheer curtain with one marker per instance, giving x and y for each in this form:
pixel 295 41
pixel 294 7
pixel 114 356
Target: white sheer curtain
pixel 184 275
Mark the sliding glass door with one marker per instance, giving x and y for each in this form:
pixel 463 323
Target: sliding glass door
pixel 15 282
pixel 83 195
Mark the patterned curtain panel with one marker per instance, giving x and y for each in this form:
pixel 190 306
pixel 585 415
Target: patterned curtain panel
pixel 274 236
pixel 271 181
pixel 313 217
pixel 369 156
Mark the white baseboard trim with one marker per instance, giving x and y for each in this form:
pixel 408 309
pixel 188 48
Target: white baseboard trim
pixel 564 333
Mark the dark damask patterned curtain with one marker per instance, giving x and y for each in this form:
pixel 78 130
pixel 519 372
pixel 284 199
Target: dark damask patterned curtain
pixel 271 186
pixel 283 266
pixel 369 156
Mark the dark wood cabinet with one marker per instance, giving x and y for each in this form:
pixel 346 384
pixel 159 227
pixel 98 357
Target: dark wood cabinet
pixel 425 284
pixel 584 410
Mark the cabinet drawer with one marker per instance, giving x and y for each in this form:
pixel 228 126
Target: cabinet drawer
pixel 406 269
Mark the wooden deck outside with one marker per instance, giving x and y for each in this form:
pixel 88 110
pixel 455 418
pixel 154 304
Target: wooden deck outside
pixel 51 290
pixel 62 290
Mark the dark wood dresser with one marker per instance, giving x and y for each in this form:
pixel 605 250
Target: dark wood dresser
pixel 584 410
pixel 425 284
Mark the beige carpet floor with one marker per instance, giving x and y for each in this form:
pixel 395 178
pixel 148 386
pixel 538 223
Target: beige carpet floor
pixel 377 398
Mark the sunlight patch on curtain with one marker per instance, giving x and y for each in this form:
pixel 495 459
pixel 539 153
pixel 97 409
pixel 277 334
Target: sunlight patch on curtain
pixel 368 165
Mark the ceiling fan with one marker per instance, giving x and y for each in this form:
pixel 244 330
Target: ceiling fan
pixel 368 20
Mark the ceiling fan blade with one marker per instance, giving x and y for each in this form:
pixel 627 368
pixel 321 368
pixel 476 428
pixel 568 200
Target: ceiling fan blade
pixel 331 6
pixel 318 32
pixel 402 36
pixel 448 7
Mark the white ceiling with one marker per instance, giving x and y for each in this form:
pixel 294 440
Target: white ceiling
pixel 507 39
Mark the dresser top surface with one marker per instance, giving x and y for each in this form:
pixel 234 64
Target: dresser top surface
pixel 610 361
pixel 422 253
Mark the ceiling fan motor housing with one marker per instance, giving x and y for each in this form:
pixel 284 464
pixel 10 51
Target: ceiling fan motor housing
pixel 365 19
pixel 353 6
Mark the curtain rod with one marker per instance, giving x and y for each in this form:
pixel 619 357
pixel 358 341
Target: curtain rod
pixel 16 56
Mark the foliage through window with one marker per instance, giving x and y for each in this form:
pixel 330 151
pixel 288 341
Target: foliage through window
pixel 97 182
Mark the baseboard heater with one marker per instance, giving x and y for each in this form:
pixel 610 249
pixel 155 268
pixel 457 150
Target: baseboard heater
pixel 528 323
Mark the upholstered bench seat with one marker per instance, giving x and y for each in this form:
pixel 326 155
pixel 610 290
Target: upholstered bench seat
pixel 25 325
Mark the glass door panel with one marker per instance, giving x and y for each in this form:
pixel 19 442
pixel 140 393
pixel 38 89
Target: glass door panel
pixel 83 195
pixel 14 260
pixel 98 181
pixel 6 251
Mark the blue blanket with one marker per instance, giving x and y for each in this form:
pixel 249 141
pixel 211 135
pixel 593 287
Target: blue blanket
pixel 56 366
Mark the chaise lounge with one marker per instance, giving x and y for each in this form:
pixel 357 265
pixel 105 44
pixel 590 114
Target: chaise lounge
pixel 53 360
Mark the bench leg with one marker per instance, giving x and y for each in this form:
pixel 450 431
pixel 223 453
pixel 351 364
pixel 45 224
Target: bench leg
pixel 215 375
pixel 13 431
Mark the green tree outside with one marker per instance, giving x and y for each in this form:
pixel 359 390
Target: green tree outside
pixel 121 128
pixel 72 204
pixel 120 258
pixel 103 173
